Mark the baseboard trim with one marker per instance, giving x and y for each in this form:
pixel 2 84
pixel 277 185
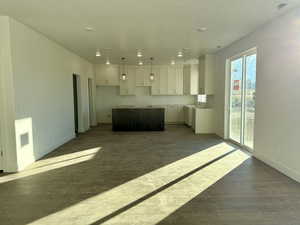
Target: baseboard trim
pixel 280 167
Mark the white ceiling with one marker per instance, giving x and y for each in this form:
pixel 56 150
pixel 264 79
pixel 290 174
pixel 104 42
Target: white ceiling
pixel 159 27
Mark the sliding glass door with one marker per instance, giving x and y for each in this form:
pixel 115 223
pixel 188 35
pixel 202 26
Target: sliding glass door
pixel 242 99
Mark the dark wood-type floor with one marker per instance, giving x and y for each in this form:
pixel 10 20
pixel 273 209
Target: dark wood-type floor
pixel 77 179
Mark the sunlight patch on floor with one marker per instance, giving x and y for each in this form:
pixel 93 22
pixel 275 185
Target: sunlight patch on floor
pixel 53 163
pixel 158 207
pixel 95 208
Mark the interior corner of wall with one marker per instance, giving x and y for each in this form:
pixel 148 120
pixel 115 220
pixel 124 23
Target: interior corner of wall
pixel 285 169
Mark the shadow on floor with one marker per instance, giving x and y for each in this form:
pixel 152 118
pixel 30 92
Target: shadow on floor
pixel 123 157
pixel 171 177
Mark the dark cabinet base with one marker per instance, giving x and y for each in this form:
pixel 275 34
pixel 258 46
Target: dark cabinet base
pixel 148 119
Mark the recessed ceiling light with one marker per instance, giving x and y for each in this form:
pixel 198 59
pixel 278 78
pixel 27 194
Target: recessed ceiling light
pixel 107 62
pixel 89 29
pixel 140 63
pixel 172 62
pixel 202 29
pixel 281 5
pixel 180 54
pixel 98 53
pixel 139 54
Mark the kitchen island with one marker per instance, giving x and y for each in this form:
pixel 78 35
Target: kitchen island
pixel 138 119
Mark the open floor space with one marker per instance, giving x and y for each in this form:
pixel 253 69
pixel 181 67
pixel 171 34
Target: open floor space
pixel 178 112
pixel 172 177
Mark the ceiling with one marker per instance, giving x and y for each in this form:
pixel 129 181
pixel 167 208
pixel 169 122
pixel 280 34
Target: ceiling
pixel 160 28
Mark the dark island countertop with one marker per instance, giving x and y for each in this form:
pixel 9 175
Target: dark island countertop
pixel 138 119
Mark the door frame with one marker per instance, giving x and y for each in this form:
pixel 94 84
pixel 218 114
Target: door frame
pixel 76 101
pixel 243 55
pixel 90 87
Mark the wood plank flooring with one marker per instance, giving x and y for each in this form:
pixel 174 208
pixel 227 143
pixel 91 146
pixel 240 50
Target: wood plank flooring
pixel 146 178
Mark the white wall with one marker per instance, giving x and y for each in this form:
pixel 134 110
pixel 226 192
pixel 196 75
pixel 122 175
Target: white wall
pixel 43 92
pixel 7 110
pixel 277 125
pixel 109 97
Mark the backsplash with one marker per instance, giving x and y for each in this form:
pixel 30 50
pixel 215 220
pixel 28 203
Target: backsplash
pixel 109 97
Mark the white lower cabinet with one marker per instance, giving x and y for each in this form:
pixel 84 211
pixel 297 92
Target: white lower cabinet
pixel 186 114
pixel 201 120
pixel 204 121
pixel 174 114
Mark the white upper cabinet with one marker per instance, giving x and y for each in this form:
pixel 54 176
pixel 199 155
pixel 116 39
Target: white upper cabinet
pixel 191 79
pixel 155 84
pixel 168 80
pixel 172 80
pixel 179 80
pixel 128 86
pixel 206 74
pixel 143 76
pixel 175 80
pixel 107 75
pixel 163 79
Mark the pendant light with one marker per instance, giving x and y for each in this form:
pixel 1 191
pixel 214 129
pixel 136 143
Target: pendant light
pixel 123 76
pixel 151 71
pixel 98 53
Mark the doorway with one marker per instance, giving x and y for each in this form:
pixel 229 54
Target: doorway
pixel 75 94
pixel 242 99
pixel 91 106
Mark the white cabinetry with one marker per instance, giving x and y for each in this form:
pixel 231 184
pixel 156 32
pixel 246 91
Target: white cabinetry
pixel 204 121
pixel 188 115
pixel 163 80
pixel 168 80
pixel 175 80
pixel 206 74
pixel 155 84
pixel 107 75
pixel 143 76
pixel 191 79
pixel 128 86
pixel 179 80
pixel 174 114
